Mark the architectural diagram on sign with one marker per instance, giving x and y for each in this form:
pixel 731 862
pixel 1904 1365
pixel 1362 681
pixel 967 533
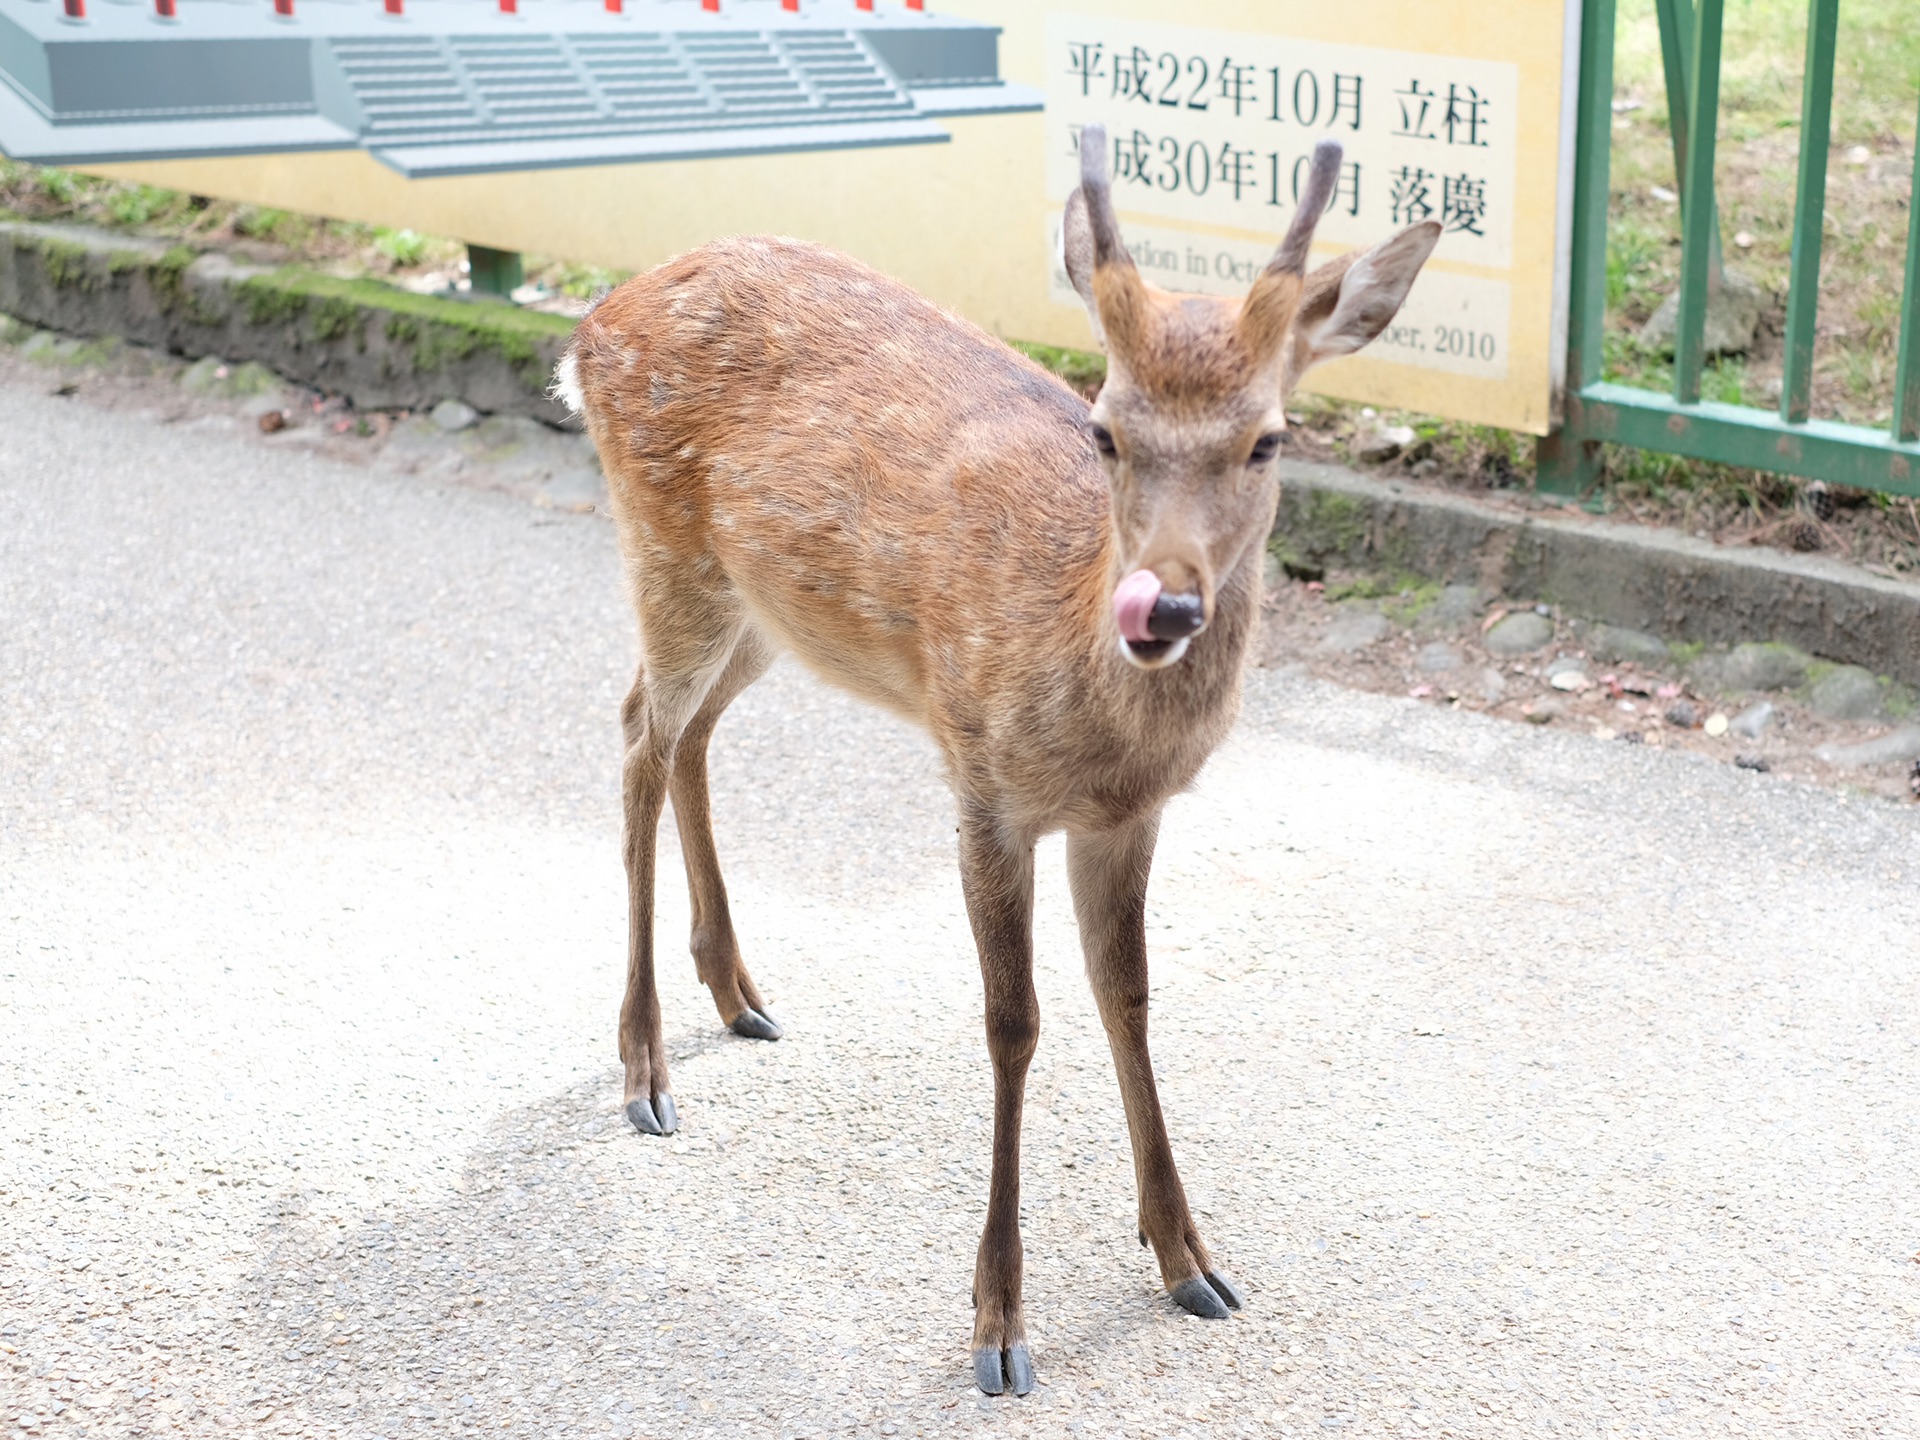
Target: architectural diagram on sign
pixel 460 87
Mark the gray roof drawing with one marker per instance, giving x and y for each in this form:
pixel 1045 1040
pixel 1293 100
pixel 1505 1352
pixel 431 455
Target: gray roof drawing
pixel 454 87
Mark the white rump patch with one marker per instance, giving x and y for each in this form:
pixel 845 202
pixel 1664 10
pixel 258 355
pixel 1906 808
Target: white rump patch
pixel 566 384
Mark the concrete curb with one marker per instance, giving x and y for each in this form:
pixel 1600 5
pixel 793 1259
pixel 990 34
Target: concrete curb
pixel 380 346
pixel 1645 579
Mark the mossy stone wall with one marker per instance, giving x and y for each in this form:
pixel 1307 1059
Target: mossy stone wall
pixel 382 347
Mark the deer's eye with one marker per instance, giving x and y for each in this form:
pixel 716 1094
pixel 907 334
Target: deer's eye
pixel 1103 440
pixel 1265 448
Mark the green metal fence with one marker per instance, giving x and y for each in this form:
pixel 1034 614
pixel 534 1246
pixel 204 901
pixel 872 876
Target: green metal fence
pixel 1681 423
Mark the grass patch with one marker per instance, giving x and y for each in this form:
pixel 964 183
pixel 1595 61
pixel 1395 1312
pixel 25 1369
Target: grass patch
pixel 582 282
pixel 1412 601
pixel 31 192
pixel 1870 169
pixel 1404 595
pixel 1084 370
pixel 402 247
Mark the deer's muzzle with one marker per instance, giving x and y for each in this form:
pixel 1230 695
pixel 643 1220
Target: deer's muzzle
pixel 1177 617
pixel 1155 623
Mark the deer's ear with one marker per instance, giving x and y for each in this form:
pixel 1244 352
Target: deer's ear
pixel 1371 290
pixel 1077 241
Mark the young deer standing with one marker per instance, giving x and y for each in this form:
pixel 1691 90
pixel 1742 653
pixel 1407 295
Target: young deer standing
pixel 804 455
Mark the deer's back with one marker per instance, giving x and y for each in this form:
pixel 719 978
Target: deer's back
pixel 894 494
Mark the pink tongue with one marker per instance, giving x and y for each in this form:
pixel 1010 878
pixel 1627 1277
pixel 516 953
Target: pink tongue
pixel 1133 603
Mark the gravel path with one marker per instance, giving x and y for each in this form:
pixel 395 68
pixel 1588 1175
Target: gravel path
pixel 1529 1084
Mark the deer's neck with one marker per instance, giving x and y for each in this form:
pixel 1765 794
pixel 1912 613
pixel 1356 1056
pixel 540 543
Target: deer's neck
pixel 1159 726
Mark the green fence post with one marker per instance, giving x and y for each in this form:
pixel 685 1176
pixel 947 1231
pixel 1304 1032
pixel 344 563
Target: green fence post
pixel 1906 389
pixel 1697 217
pixel 495 272
pixel 1602 411
pixel 1809 211
pixel 1566 462
pixel 1676 59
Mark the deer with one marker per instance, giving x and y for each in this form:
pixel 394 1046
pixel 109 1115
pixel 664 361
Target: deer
pixel 805 456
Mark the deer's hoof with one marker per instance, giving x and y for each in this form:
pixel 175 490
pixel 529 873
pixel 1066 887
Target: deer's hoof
pixel 1227 1290
pixel 655 1117
pixel 1207 1296
pixel 998 1371
pixel 755 1026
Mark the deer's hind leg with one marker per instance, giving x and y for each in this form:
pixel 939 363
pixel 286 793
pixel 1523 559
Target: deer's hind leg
pixel 716 951
pixel 691 633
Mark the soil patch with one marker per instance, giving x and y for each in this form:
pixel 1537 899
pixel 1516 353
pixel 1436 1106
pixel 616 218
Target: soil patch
pixel 1443 647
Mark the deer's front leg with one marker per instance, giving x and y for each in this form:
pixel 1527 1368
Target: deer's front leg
pixel 997 873
pixel 1108 871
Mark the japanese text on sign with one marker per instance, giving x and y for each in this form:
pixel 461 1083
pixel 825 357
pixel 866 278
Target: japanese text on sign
pixel 1216 127
pixel 1451 323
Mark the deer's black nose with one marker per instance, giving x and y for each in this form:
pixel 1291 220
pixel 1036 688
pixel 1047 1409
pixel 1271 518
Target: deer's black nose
pixel 1175 617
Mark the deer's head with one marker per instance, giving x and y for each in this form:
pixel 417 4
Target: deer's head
pixel 1189 422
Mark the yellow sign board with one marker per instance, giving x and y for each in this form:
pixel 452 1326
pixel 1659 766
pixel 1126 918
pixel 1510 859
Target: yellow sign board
pixel 1455 113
